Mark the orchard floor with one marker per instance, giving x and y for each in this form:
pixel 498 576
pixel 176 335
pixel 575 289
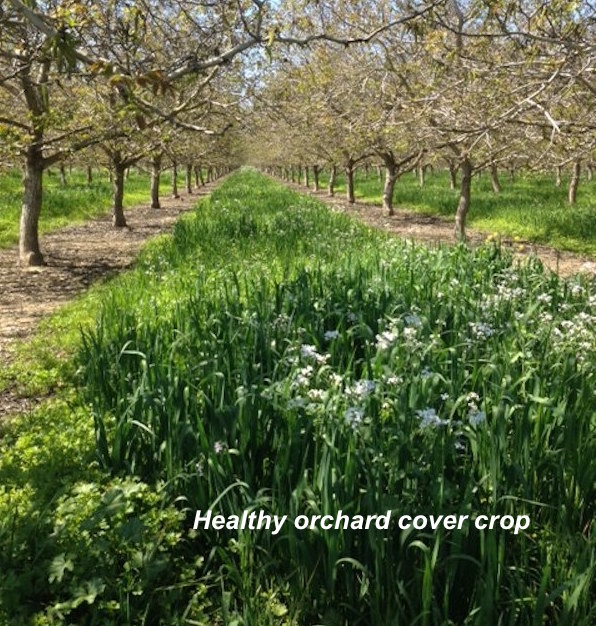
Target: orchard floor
pixel 435 230
pixel 76 257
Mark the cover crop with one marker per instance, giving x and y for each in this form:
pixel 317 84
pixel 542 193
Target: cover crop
pixel 277 356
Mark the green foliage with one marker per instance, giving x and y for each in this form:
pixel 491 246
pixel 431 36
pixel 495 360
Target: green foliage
pixel 62 206
pixel 530 206
pixel 280 356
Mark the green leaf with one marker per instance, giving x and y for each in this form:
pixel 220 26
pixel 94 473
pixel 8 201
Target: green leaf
pixel 58 566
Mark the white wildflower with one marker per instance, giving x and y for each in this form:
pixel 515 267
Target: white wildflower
pixel 316 395
pixel 476 417
pixel 428 417
pixel 361 388
pixel 303 376
pixel 308 351
pixel 479 330
pixel 386 339
pixel 330 335
pixel 353 415
pixel 544 298
pixel 335 380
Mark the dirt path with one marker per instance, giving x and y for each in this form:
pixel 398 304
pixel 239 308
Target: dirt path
pixel 434 230
pixel 77 257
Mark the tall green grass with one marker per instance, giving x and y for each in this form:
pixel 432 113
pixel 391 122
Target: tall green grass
pixel 76 202
pixel 277 355
pixel 530 206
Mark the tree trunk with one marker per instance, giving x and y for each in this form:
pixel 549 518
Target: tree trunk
pixel 390 180
pixel 379 173
pixel 331 184
pixel 574 182
pixel 590 171
pixel 62 175
pixel 315 175
pixel 306 175
pixel 175 180
pixel 89 175
pixel 118 219
pixel 350 182
pixel 464 199
pixel 188 178
pixel 494 178
pixel 558 173
pixel 29 252
pixel 196 174
pixel 155 176
pixel 452 175
pixel 421 172
pixel 292 174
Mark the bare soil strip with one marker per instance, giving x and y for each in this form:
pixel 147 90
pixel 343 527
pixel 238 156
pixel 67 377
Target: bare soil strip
pixel 436 230
pixel 77 257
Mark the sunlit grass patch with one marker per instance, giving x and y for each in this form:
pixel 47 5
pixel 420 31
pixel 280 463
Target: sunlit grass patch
pixel 529 206
pixel 76 202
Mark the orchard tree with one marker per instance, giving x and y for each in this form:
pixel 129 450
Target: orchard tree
pixel 41 122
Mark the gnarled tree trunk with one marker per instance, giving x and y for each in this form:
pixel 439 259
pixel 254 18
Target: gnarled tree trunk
pixel 494 178
pixel 464 199
pixel 155 176
pixel 558 174
pixel 29 252
pixel 63 181
pixel 188 178
pixel 574 182
pixel 306 175
pixel 452 175
pixel 390 180
pixel 331 183
pixel 315 175
pixel 175 180
pixel 350 181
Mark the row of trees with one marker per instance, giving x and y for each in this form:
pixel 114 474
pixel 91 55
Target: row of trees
pixel 135 80
pixel 473 86
pixel 114 83
pixel 469 84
